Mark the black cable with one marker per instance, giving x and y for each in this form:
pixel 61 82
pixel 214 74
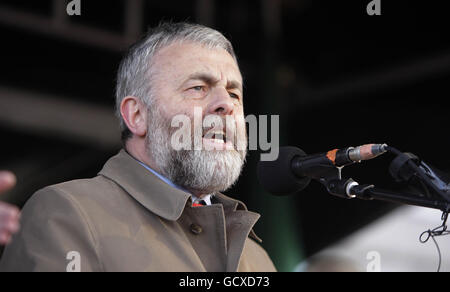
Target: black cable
pixel 425 180
pixel 438 231
pixel 393 150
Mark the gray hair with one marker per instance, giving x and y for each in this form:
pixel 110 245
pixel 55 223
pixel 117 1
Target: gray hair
pixel 134 75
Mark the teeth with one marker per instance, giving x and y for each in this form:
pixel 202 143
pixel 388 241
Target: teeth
pixel 217 136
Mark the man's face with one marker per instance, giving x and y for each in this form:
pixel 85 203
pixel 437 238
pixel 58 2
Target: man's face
pixel 188 76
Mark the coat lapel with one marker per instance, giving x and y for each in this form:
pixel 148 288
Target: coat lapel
pixel 239 224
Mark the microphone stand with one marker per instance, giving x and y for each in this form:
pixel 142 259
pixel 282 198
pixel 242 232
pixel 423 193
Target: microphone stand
pixel 406 167
pixel 403 168
pixel 348 189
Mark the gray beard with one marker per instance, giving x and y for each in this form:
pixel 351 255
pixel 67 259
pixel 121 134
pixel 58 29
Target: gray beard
pixel 199 171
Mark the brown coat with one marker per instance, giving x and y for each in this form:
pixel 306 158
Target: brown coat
pixel 126 219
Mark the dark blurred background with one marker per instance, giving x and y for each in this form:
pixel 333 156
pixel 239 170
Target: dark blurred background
pixel 335 76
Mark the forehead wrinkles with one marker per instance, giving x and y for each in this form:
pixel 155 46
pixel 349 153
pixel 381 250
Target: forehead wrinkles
pixel 186 58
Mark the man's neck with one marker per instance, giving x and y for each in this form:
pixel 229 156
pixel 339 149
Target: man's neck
pixel 138 152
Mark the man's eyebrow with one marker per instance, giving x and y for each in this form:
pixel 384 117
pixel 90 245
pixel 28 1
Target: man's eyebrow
pixel 208 78
pixel 211 80
pixel 233 84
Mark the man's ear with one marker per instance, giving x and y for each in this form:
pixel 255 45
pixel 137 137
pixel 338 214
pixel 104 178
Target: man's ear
pixel 134 114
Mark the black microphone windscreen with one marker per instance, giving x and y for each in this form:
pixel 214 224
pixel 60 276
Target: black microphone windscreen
pixel 277 176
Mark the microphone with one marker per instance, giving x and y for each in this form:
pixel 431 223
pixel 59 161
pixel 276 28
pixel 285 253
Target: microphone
pixel 293 170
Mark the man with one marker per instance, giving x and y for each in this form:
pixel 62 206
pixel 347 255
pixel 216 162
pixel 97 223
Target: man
pixel 156 206
pixel 9 215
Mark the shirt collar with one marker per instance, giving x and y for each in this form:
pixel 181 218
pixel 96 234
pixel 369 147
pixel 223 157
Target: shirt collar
pixel 206 198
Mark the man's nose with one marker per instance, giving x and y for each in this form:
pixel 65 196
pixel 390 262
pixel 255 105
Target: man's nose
pixel 221 103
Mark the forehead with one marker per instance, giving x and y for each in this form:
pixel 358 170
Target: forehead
pixel 179 60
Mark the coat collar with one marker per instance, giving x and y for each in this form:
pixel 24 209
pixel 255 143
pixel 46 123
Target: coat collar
pixel 146 188
pixel 163 200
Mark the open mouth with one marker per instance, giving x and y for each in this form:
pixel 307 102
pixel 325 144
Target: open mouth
pixel 218 137
pixel 214 139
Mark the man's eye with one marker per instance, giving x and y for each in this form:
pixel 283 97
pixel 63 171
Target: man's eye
pixel 234 95
pixel 198 88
